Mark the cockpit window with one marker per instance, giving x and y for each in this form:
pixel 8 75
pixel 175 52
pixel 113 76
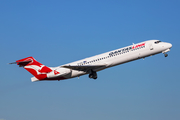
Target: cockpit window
pixel 157 42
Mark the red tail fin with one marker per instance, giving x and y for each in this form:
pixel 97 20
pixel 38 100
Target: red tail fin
pixel 34 67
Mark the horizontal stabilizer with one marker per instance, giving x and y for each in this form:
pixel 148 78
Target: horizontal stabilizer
pixel 34 79
pixel 21 63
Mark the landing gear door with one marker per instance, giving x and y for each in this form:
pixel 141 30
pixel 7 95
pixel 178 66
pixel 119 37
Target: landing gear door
pixel 151 46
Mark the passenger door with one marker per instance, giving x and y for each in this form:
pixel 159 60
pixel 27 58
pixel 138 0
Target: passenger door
pixel 151 46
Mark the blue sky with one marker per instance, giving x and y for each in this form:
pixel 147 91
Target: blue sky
pixel 59 32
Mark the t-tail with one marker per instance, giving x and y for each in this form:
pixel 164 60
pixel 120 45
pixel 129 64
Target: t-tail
pixel 38 70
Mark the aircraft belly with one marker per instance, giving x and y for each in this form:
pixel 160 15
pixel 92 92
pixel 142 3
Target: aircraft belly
pixel 147 53
pixel 125 58
pixel 76 73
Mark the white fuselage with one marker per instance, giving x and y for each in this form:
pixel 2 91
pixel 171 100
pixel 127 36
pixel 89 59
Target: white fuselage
pixel 115 57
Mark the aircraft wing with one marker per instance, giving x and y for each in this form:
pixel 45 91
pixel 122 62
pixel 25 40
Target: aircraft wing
pixel 84 68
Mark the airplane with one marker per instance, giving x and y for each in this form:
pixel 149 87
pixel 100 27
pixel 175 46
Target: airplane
pixel 94 64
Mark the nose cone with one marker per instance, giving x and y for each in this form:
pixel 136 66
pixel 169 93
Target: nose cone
pixel 169 45
pixel 166 45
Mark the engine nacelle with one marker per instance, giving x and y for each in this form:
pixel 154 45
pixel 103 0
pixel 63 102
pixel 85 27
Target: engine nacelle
pixel 58 73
